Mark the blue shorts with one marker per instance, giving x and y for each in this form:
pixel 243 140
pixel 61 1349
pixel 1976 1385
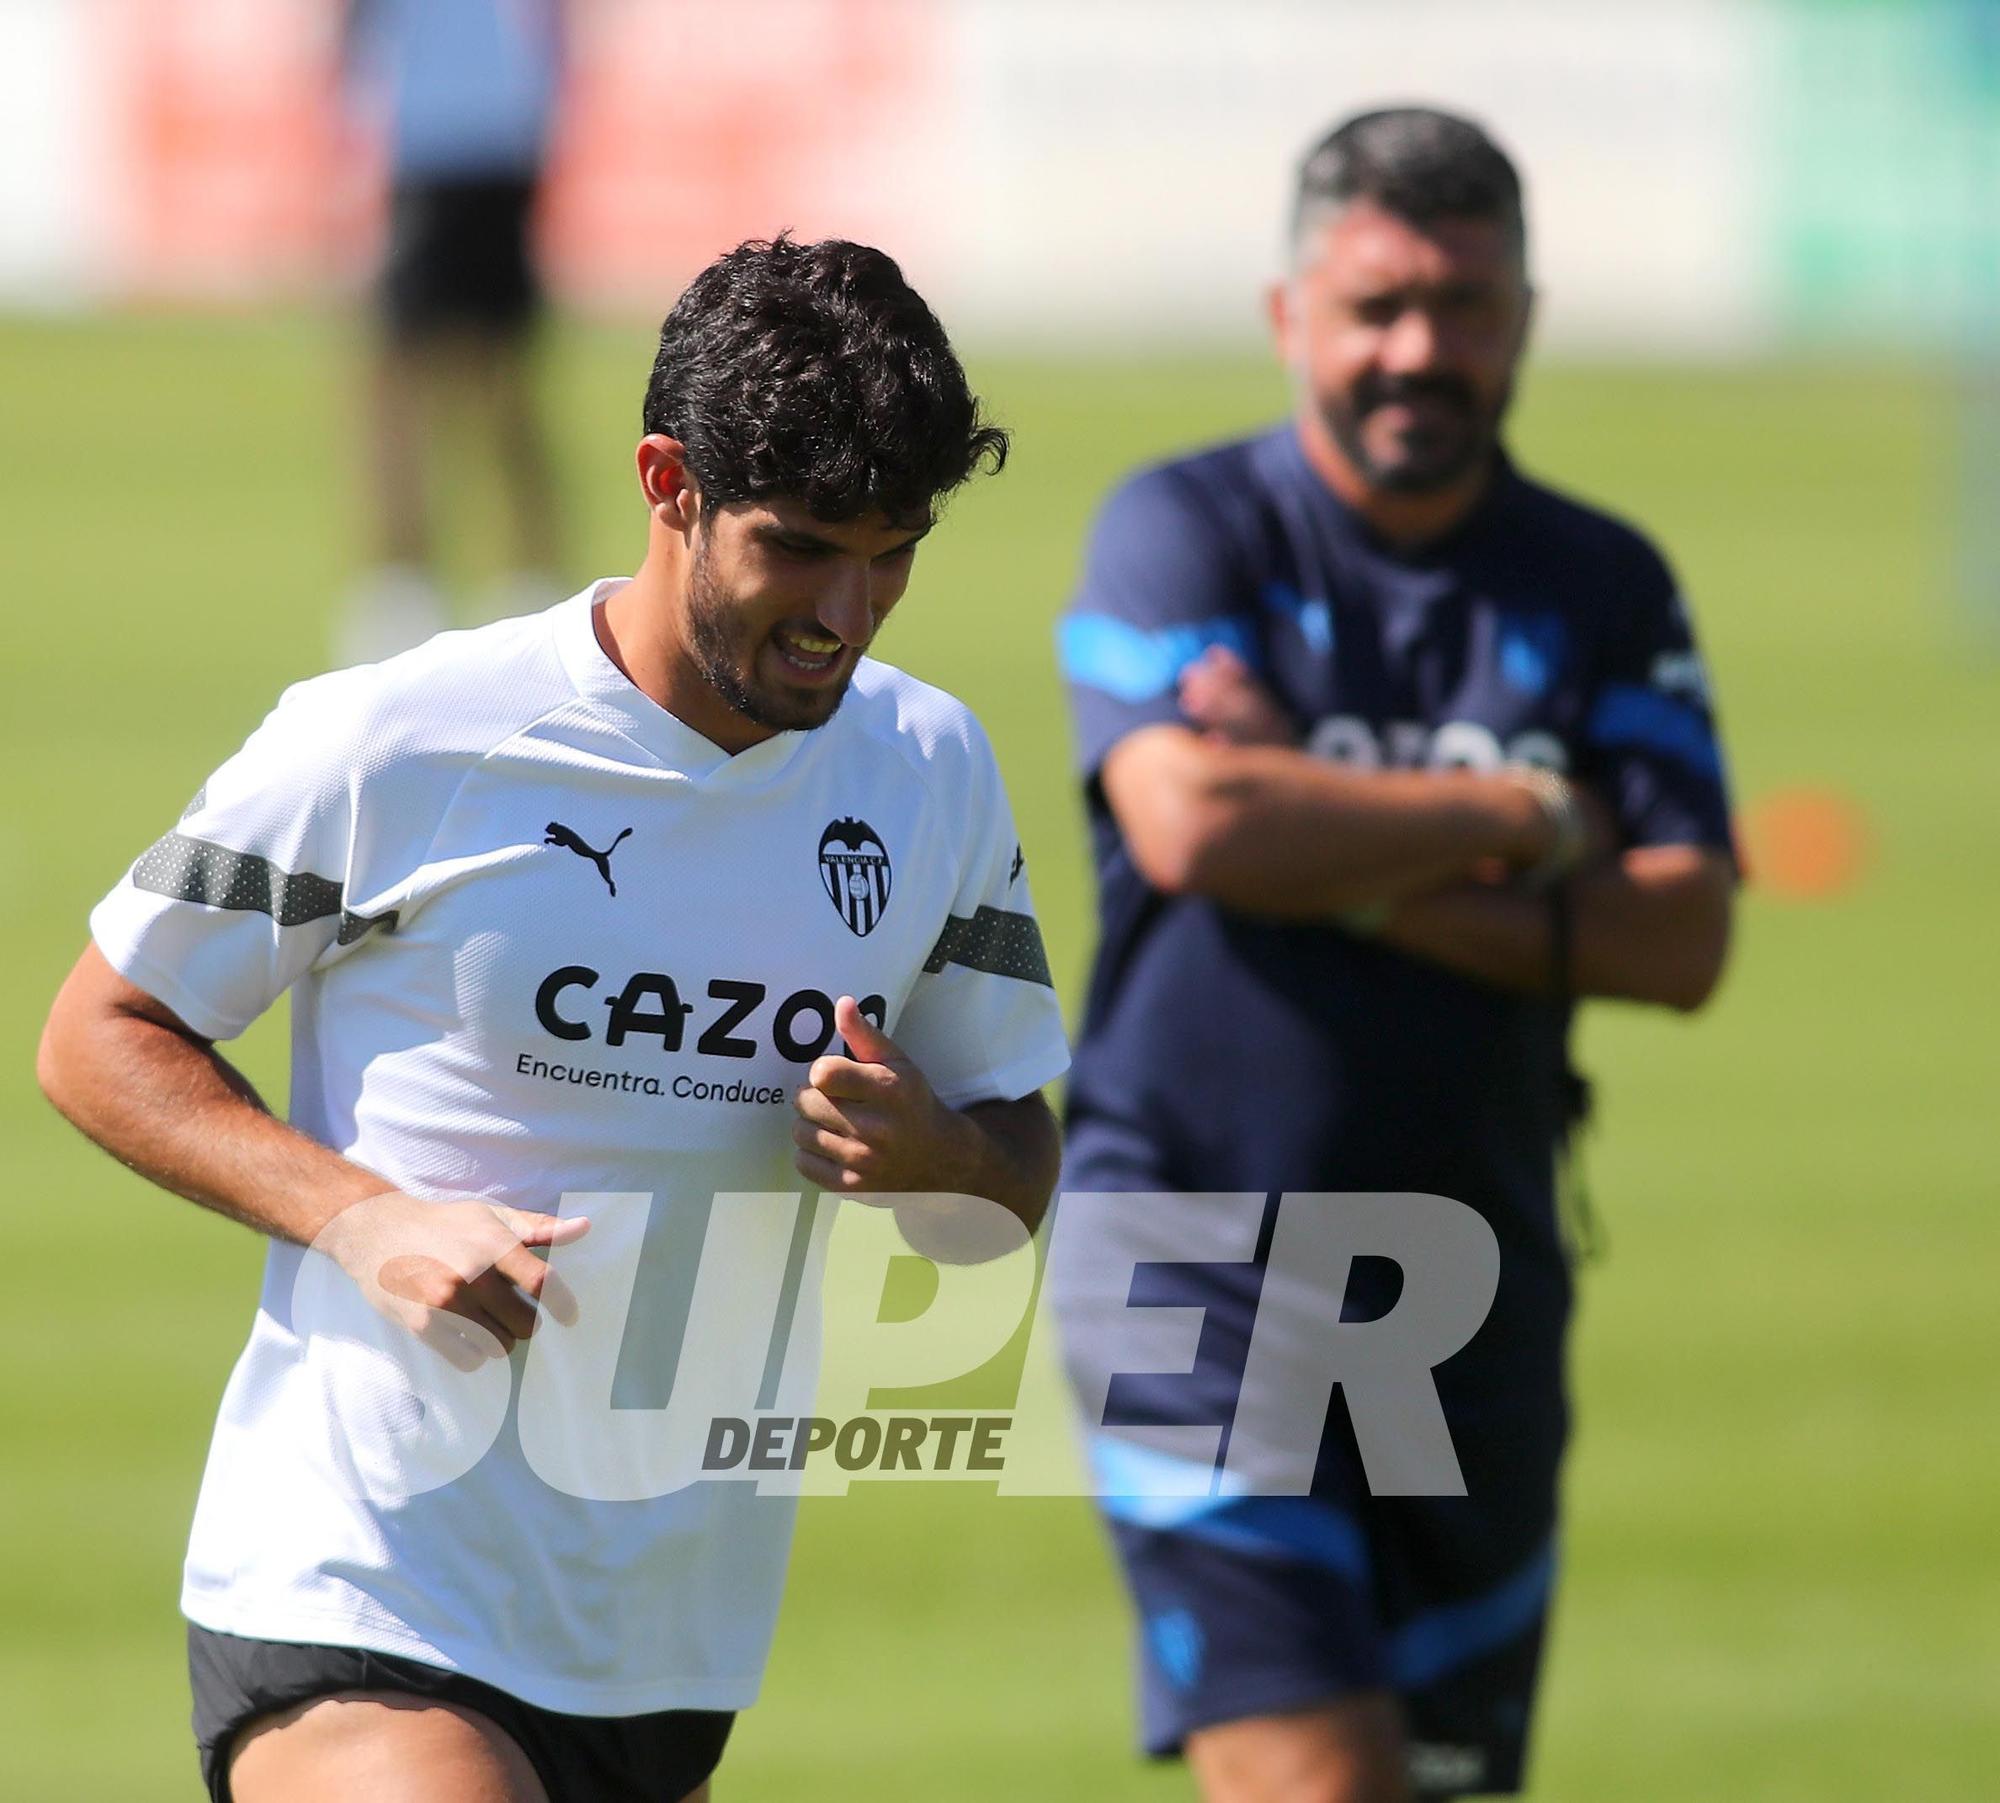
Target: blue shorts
pixel 1260 1605
pixel 1271 1604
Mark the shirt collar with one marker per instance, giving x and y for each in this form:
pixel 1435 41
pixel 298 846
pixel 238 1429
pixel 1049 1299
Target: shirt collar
pixel 1284 444
pixel 612 694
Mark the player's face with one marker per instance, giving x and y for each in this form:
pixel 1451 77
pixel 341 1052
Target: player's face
pixel 781 606
pixel 1404 339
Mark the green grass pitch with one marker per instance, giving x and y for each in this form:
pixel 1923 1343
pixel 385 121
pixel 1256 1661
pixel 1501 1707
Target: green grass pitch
pixel 1781 1577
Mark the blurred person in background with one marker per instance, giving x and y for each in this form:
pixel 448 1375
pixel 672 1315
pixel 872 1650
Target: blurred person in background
pixel 465 93
pixel 1391 755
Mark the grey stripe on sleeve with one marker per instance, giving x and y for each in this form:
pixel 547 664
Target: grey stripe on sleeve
pixel 197 870
pixel 995 941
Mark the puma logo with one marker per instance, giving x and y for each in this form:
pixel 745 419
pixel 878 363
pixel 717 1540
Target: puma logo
pixel 558 834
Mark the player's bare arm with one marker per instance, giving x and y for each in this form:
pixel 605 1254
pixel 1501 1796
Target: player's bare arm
pixel 1651 926
pixel 1271 830
pixel 134 1077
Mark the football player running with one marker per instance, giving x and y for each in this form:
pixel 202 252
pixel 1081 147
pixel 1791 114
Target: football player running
pixel 658 899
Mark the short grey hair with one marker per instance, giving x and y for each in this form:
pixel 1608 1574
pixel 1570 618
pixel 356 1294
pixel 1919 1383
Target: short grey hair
pixel 1415 162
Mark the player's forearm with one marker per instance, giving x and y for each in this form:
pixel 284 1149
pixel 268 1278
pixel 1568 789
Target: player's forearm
pixel 1006 1153
pixel 1273 831
pixel 1654 927
pixel 169 1106
pixel 1016 1155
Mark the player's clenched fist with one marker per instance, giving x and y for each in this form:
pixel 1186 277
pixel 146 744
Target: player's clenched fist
pixel 871 1121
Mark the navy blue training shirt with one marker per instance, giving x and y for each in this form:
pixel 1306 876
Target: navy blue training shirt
pixel 1225 1052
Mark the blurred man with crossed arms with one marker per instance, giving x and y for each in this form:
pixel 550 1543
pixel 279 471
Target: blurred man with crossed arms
pixel 1391 755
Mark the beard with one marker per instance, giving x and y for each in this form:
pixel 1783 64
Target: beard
pixel 725 648
pixel 1434 456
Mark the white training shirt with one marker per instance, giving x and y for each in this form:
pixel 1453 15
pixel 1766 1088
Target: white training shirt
pixel 417 849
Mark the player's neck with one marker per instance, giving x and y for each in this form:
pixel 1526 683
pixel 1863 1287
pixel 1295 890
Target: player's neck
pixel 636 627
pixel 1406 521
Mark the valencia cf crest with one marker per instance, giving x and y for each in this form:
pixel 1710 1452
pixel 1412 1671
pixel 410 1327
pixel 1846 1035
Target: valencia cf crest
pixel 854 867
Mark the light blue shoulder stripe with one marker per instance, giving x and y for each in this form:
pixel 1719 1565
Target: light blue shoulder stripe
pixel 1137 663
pixel 1312 615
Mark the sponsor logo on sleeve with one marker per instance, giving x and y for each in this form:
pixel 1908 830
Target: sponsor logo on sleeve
pixel 1680 673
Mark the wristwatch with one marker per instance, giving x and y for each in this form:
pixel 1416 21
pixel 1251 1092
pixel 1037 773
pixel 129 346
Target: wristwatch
pixel 1569 838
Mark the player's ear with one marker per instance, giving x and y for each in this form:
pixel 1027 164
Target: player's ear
pixel 672 496
pixel 1278 310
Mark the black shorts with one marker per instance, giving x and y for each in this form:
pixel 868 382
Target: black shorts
pixel 656 1758
pixel 459 258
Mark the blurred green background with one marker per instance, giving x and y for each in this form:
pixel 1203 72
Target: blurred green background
pixel 1781 1575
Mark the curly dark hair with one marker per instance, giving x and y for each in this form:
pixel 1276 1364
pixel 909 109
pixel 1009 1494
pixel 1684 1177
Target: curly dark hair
pixel 1417 162
pixel 816 372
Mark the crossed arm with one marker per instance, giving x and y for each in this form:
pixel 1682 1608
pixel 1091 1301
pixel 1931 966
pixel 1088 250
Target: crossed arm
pixel 1268 829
